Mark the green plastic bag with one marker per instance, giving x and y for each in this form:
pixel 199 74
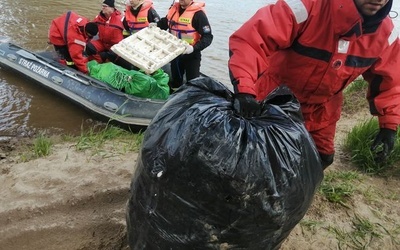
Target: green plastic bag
pixel 133 82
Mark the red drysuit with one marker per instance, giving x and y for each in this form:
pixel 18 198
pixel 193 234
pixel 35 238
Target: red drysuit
pixel 72 36
pixel 317 48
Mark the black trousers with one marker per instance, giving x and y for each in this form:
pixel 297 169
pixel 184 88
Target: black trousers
pixel 63 53
pixel 185 67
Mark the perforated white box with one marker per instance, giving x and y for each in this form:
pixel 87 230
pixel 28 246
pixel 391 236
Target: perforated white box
pixel 150 48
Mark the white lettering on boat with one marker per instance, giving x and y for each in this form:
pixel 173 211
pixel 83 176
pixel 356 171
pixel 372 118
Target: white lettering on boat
pixel 34 67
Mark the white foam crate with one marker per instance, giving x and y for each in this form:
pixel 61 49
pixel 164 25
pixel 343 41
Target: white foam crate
pixel 150 48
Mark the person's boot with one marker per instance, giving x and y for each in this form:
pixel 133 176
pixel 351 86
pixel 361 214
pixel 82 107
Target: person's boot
pixel 172 90
pixel 326 160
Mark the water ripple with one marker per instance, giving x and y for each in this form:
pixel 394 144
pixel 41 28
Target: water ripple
pixel 14 110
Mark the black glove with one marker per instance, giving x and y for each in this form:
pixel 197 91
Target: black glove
pixel 246 105
pixel 383 144
pixel 90 49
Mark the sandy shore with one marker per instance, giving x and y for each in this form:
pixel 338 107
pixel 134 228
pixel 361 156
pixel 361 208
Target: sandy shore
pixel 76 200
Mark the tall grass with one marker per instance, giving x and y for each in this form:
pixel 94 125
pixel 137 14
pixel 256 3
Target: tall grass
pixel 106 141
pixel 358 144
pixel 338 187
pixel 42 146
pixel 95 140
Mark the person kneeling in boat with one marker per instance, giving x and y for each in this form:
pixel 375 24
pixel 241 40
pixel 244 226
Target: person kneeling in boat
pixel 69 34
pixel 109 23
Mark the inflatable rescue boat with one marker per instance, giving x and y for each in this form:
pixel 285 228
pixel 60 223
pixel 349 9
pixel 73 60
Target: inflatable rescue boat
pixel 93 95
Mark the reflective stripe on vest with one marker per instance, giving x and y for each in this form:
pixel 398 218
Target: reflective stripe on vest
pixel 181 26
pixel 80 42
pixel 298 9
pixel 137 23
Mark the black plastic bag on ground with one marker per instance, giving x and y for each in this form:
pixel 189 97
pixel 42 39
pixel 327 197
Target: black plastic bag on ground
pixel 207 178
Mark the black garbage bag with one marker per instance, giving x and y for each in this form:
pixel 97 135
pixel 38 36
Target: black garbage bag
pixel 206 178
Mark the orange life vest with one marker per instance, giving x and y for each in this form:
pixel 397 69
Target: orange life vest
pixel 66 30
pixel 138 22
pixel 181 26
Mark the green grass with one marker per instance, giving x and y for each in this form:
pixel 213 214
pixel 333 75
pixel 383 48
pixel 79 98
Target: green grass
pixel 364 228
pixel 95 140
pixel 346 188
pixel 310 225
pixel 106 141
pixel 360 235
pixel 355 97
pixel 358 144
pixel 338 187
pixel 42 146
pixel 356 86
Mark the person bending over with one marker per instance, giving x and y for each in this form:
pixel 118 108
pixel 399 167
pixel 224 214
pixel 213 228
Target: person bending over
pixel 69 34
pixel 317 48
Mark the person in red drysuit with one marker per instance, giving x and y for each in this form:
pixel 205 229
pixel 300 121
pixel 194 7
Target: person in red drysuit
pixel 317 48
pixel 109 22
pixel 69 34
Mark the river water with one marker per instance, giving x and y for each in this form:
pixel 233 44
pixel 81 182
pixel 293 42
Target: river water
pixel 25 107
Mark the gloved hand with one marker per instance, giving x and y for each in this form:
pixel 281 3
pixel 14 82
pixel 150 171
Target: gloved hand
pixel 246 105
pixel 189 49
pixel 383 144
pixel 152 25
